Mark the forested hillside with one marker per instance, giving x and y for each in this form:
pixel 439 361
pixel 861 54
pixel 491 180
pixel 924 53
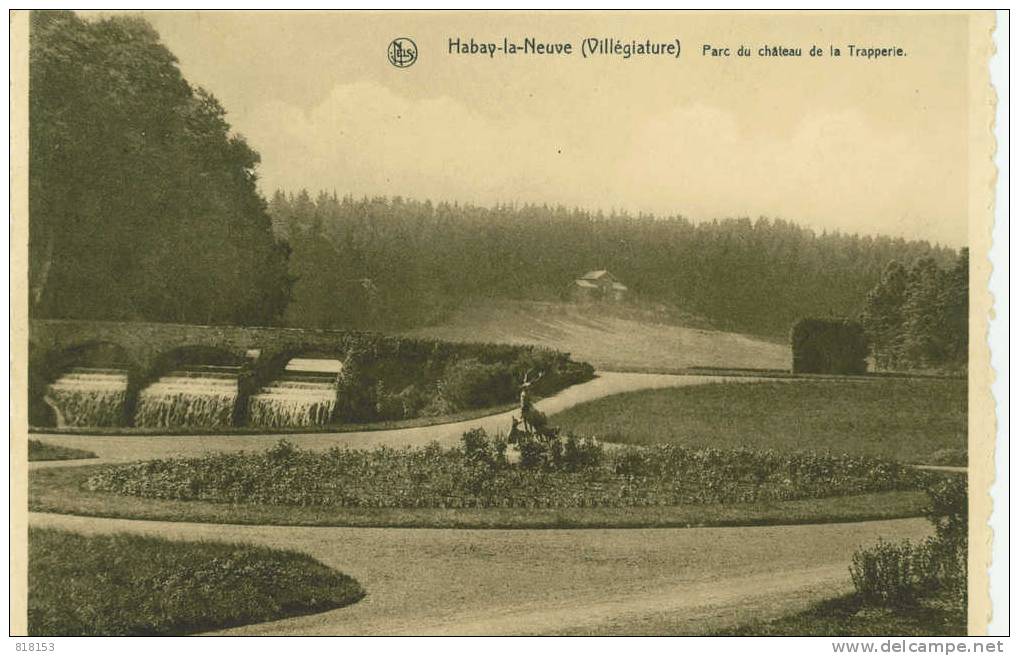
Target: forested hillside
pixel 394 263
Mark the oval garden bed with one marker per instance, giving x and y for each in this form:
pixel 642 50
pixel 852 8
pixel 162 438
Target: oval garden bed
pixel 478 485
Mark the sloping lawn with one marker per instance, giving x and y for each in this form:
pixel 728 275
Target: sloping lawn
pixel 118 585
pixel 909 420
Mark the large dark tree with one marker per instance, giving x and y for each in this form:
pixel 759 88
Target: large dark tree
pixel 143 205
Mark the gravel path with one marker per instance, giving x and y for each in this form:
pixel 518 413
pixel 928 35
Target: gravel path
pixel 459 582
pixel 141 447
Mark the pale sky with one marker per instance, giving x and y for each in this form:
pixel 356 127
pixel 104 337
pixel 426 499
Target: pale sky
pixel 831 143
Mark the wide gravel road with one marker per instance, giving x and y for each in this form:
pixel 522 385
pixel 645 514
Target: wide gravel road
pixel 140 447
pixel 591 581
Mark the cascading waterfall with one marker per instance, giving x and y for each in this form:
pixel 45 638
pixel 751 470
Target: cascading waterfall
pixel 304 396
pixel 196 396
pixel 89 397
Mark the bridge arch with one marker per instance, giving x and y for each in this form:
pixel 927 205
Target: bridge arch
pixel 47 363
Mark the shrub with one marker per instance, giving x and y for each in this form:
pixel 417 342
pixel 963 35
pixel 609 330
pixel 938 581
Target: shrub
pixel 899 574
pixel 949 508
pixel 469 383
pixel 282 453
pixel 581 453
pixel 894 573
pixel 949 512
pixel 533 450
pixel 387 404
pixel 411 400
pixel 829 346
pixel 356 389
pixel 630 462
pixel 476 447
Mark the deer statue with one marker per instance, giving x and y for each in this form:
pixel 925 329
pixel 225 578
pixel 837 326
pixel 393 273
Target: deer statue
pixel 534 421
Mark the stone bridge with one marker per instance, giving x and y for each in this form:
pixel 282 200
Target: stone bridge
pixel 143 344
pixel 149 350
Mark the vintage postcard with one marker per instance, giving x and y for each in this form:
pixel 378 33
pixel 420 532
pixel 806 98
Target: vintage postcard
pixel 559 323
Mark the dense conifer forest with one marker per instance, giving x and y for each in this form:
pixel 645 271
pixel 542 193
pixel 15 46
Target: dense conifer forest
pixel 393 262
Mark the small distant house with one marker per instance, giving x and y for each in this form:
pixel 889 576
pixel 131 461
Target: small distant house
pixel 599 285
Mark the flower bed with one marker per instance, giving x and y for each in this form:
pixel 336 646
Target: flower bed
pixel 433 477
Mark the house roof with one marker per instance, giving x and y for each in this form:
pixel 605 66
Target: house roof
pixel 586 284
pixel 596 275
pixel 619 286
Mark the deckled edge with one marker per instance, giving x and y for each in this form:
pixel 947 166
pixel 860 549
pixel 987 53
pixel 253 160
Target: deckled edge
pixel 982 422
pixel 18 222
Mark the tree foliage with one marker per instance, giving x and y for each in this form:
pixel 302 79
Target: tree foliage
pixel 392 262
pixel 919 318
pixel 142 204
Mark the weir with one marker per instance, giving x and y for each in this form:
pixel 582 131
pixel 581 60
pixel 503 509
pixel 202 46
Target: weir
pixel 89 396
pixel 196 396
pixel 305 395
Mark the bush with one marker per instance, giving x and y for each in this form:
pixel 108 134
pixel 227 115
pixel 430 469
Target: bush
pixel 894 573
pixel 949 508
pixel 580 454
pixel 477 449
pixel 900 574
pixel 829 346
pixel 356 389
pixel 949 512
pixel 471 384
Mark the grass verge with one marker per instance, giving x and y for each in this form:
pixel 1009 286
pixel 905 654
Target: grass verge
pixel 909 420
pixel 60 490
pixel 39 450
pixel 117 585
pixel 850 616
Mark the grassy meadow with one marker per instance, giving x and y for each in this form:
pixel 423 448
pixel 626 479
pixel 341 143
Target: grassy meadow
pixel 908 419
pixel 117 585
pixel 624 338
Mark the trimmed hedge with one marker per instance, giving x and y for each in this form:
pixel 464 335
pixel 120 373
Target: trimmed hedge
pixel 829 346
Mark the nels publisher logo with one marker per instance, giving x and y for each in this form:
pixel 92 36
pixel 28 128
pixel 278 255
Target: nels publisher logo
pixel 403 52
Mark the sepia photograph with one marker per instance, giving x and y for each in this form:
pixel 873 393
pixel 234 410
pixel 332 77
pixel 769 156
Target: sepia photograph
pixel 500 323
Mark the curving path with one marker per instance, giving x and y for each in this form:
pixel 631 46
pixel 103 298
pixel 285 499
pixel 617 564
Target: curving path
pixel 139 447
pixel 460 582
